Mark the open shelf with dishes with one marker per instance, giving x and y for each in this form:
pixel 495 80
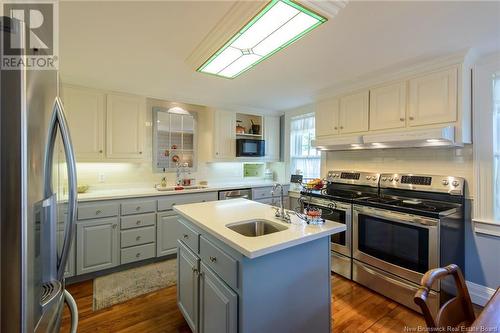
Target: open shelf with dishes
pixel 249 125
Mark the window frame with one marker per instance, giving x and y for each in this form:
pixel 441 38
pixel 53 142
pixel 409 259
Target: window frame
pixel 483 167
pixel 302 113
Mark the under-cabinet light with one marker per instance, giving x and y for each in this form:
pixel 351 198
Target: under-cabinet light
pixel 278 25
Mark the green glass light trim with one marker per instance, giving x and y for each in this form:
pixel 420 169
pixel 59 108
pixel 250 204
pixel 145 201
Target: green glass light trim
pixel 294 22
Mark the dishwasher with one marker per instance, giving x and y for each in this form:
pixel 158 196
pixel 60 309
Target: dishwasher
pixel 245 193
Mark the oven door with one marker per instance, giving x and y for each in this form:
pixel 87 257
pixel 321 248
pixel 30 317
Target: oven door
pixel 402 244
pixel 336 212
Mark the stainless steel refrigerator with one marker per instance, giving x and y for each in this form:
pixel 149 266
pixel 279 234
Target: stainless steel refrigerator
pixel 38 198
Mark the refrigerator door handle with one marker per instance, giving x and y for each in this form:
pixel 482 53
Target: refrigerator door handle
pixel 58 121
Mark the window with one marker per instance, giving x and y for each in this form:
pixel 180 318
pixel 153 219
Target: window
pixel 487 145
pixel 496 145
pixel 303 156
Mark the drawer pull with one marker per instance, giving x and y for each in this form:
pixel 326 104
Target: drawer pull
pixel 138 222
pixel 114 226
pixel 138 255
pixel 173 204
pixel 138 238
pixel 213 259
pixel 97 212
pixel 185 236
pixel 138 208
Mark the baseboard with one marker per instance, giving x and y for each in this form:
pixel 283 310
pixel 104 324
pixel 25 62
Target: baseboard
pixel 479 294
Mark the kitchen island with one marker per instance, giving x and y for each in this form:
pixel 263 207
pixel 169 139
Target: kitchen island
pixel 242 270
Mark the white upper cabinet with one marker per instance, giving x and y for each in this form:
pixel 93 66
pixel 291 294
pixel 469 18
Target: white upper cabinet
pixel 225 135
pixel 354 113
pixel 433 98
pixel 125 126
pixel 272 137
pixel 327 117
pixel 388 106
pixel 85 112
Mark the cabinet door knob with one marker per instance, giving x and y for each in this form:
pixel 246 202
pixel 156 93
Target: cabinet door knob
pixel 412 118
pixel 213 259
pixel 185 236
pixel 138 208
pixel 138 222
pixel 100 151
pixel 138 238
pixel 140 152
pixel 195 270
pixel 341 127
pixel 335 128
pixel 138 255
pixel 402 119
pixel 97 212
pixel 114 226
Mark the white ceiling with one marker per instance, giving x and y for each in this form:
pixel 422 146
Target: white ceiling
pixel 141 47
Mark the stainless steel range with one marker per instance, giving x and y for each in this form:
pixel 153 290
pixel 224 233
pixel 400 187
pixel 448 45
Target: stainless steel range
pixel 416 224
pixel 335 202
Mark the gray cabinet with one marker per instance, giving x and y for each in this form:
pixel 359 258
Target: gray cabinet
pixel 168 231
pixel 97 245
pixel 218 304
pixel 187 285
pixel 238 294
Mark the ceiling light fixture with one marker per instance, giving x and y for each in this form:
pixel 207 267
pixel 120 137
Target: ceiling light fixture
pixel 278 25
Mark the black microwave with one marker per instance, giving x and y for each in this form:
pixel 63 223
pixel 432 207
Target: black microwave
pixel 250 148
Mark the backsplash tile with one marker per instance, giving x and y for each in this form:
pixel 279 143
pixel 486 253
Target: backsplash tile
pixel 442 161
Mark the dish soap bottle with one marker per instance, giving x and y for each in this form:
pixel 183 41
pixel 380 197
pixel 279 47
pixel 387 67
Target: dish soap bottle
pixel 163 182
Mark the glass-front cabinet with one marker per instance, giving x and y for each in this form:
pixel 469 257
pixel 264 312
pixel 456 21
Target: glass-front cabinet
pixel 174 138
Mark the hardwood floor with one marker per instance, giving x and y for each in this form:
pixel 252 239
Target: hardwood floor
pixel 355 309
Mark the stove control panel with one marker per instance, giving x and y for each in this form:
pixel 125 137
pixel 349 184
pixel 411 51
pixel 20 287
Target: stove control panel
pixel 429 183
pixel 354 178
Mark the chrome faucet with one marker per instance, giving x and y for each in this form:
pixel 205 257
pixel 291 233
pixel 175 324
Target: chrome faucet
pixel 280 212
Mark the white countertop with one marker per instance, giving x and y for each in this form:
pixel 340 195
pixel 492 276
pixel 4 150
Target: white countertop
pixel 214 216
pixel 135 192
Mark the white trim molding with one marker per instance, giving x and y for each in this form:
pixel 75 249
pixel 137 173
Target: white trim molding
pixel 479 294
pixel 486 227
pixel 483 144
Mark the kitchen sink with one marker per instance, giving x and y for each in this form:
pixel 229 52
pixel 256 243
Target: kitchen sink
pixel 256 228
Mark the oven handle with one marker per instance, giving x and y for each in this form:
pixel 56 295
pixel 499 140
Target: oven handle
pixel 424 222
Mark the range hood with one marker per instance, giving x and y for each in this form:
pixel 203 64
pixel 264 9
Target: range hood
pixel 431 137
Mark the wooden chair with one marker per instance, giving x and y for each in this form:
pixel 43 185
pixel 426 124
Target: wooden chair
pixel 457 312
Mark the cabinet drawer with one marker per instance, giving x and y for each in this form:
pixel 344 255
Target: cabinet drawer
pixel 189 237
pixel 223 264
pixel 137 253
pixel 97 210
pixel 267 192
pixel 138 236
pixel 136 221
pixel 181 199
pixel 137 207
pixel 269 201
pixel 262 193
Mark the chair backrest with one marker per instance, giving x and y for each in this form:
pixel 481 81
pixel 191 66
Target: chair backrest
pixel 457 311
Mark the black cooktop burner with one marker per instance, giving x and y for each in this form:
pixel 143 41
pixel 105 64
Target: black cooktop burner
pixel 409 205
pixel 345 193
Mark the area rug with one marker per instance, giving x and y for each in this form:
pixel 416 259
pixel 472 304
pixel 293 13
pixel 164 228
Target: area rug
pixel 121 286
